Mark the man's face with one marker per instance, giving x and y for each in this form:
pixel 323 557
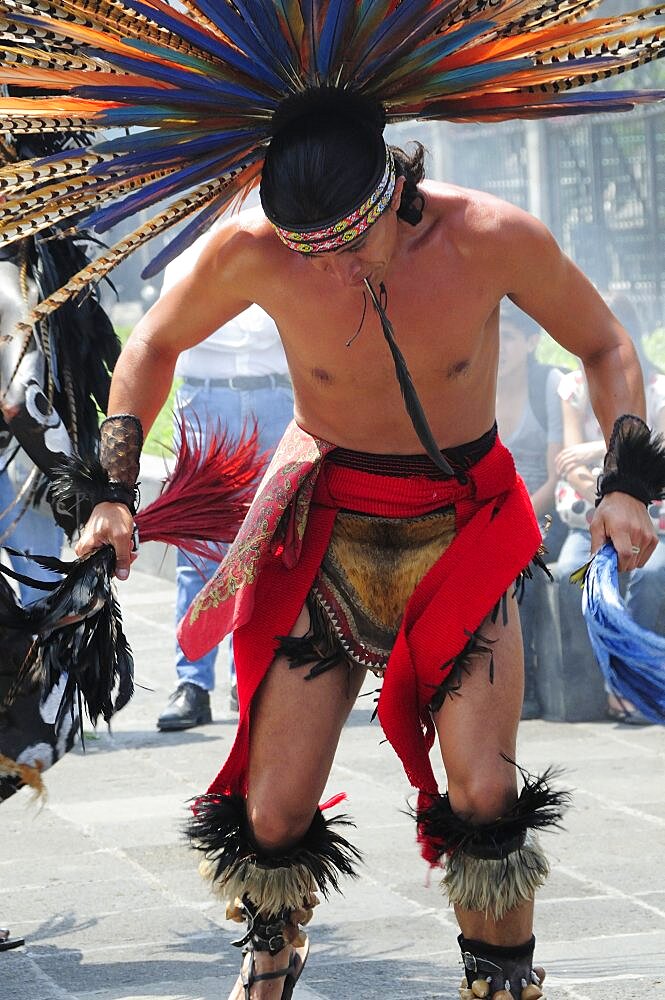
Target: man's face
pixel 514 351
pixel 369 255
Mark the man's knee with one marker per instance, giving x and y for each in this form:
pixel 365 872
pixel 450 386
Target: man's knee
pixel 275 827
pixel 482 797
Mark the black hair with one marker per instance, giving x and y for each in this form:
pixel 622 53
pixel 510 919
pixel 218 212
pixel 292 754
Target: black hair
pixel 326 156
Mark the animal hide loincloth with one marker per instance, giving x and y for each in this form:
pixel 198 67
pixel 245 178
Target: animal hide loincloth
pixel 372 567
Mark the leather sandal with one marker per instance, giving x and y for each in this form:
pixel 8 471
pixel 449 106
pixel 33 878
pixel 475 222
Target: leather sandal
pixel 496 973
pixel 291 974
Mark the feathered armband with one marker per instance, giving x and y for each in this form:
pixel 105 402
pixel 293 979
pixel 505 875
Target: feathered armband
pixel 634 463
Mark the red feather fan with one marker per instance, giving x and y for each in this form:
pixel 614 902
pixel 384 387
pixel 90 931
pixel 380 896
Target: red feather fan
pixel 204 500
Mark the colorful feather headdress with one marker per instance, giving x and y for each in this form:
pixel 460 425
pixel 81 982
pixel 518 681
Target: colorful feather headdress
pixel 199 89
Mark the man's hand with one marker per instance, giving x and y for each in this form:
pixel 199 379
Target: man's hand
pixel 109 524
pixel 625 522
pixel 588 453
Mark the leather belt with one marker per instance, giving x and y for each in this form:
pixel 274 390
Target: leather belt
pixel 242 383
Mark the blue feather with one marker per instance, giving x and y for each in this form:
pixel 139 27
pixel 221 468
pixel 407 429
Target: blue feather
pixel 631 658
pixel 175 184
pixel 232 24
pixel 404 27
pixel 429 53
pixel 555 106
pixel 191 151
pixel 159 141
pixel 188 80
pixel 463 79
pixel 337 23
pixel 174 98
pixel 220 14
pixel 261 18
pixel 190 232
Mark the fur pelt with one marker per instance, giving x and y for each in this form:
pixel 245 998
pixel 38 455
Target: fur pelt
pixel 495 886
pixel 635 461
pixel 369 572
pixel 237 867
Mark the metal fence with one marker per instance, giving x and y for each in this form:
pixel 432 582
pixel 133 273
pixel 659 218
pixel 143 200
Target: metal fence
pixel 598 183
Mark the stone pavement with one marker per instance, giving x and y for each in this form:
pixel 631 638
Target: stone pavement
pixel 100 884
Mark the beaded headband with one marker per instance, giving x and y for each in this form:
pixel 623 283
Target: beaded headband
pixel 339 234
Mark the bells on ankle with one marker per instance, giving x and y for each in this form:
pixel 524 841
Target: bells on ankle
pixel 290 925
pixel 481 989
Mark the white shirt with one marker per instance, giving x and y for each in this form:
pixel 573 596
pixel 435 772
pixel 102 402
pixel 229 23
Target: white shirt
pixel 247 345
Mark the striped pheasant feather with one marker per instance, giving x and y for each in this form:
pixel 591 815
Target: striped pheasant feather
pixel 190 91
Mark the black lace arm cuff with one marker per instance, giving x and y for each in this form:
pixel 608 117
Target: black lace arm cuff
pixel 634 463
pixel 121 440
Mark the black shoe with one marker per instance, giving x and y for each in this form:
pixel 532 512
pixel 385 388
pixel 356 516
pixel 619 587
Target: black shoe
pixel 233 699
pixel 7 941
pixel 188 706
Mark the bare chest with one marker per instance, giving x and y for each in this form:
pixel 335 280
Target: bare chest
pixel 334 339
pixel 443 311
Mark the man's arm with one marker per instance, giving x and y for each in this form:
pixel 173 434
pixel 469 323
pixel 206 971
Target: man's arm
pixel 545 283
pixel 212 294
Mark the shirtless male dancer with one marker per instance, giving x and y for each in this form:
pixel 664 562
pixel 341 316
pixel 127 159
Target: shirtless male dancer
pixel 437 259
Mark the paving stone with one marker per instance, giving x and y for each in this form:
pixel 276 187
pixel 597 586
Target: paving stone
pixel 102 885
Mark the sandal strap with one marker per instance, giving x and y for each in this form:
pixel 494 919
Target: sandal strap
pixel 278 974
pixel 264 933
pixel 250 977
pixel 504 968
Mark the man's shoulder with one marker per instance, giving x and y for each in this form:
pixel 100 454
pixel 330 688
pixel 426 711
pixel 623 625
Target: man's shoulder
pixel 471 214
pixel 246 231
pixel 244 240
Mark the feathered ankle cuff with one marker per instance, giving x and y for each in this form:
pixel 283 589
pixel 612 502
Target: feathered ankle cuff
pixel 494 867
pixel 634 463
pixel 259 884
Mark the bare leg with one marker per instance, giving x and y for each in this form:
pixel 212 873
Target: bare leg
pixel 294 732
pixel 475 728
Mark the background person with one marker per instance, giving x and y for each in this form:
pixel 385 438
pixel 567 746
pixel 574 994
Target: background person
pixel 235 376
pixel 578 465
pixel 528 413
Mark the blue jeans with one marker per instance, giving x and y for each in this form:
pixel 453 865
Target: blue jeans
pixel 643 589
pixel 272 409
pixel 36 532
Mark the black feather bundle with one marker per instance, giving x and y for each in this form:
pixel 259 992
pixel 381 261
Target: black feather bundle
pixel 635 462
pixel 78 629
pixel 537 808
pixel 410 396
pixel 84 344
pixel 319 649
pixel 219 828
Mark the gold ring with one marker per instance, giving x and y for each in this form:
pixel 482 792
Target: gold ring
pixel 635 549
